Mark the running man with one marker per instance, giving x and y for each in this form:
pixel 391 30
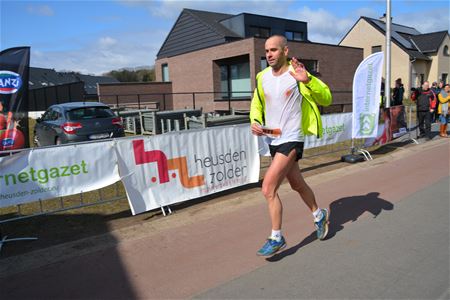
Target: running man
pixel 286 98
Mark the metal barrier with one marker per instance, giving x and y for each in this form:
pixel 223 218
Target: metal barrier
pixel 132 120
pixel 55 205
pixel 211 120
pixel 166 121
pixel 116 192
pixel 410 118
pixel 209 101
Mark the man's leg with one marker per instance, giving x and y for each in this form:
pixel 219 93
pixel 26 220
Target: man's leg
pixel 272 180
pixel 428 116
pixel 421 119
pixel 275 175
pixel 299 184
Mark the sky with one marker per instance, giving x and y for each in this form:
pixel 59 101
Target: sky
pixel 94 37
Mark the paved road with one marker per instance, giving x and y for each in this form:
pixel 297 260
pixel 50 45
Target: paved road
pixel 389 239
pixel 400 254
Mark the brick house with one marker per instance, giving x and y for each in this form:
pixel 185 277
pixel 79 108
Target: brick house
pixel 219 55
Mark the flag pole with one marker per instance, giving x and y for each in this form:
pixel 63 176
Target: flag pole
pixel 387 85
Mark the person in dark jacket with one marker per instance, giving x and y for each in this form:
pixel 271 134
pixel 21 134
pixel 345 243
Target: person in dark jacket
pixel 399 91
pixel 426 104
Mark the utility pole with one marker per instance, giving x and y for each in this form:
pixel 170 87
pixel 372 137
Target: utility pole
pixel 387 83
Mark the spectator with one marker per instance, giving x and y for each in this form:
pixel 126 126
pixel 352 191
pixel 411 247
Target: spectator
pixel 382 104
pixel 399 91
pixel 426 104
pixel 435 89
pixel 444 98
pixel 440 88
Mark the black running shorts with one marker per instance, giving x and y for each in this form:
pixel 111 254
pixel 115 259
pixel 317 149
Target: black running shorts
pixel 286 148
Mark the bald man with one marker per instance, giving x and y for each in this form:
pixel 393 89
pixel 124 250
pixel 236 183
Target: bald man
pixel 284 110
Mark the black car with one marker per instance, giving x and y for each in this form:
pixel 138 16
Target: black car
pixel 77 122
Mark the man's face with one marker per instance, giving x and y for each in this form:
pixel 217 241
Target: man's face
pixel 276 54
pixel 426 85
pixel 447 88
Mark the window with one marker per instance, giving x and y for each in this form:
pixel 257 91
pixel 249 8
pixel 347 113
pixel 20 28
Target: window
pixel 263 63
pixel 259 31
pixel 57 113
pixel 422 78
pixel 84 113
pixel 165 72
pixel 444 77
pixel 376 49
pixel 51 115
pixel 294 36
pixel 414 80
pixel 224 86
pixel 446 51
pixel 311 65
pixel 235 80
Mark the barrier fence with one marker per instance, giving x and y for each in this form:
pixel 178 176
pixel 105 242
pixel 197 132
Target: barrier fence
pixel 116 191
pixel 207 101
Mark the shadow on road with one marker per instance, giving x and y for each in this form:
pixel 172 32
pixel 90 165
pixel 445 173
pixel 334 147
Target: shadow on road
pixel 342 211
pixel 74 275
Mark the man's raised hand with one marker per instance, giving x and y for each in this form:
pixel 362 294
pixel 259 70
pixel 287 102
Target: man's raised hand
pixel 299 73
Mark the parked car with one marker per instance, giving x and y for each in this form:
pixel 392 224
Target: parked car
pixel 77 122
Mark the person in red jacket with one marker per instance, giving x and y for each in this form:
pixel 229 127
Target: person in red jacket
pixel 425 100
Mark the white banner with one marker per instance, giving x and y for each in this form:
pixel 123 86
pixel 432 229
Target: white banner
pixel 40 174
pixel 174 167
pixel 366 96
pixel 336 128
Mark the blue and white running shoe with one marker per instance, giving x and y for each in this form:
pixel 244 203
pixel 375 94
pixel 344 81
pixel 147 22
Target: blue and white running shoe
pixel 271 247
pixel 322 224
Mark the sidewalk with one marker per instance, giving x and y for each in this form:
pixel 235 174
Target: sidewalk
pixel 195 250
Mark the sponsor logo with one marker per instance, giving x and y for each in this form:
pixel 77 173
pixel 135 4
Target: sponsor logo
pixel 7 142
pixel 165 165
pixel 10 82
pixel 367 123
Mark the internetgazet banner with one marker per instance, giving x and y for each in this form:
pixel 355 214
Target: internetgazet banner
pixel 366 96
pixel 336 128
pixel 174 167
pixel 46 173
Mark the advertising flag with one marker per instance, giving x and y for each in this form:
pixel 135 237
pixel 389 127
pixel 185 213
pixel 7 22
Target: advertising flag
pixel 14 74
pixel 366 96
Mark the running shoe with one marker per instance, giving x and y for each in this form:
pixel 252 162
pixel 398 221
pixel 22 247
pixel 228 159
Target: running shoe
pixel 322 224
pixel 271 247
